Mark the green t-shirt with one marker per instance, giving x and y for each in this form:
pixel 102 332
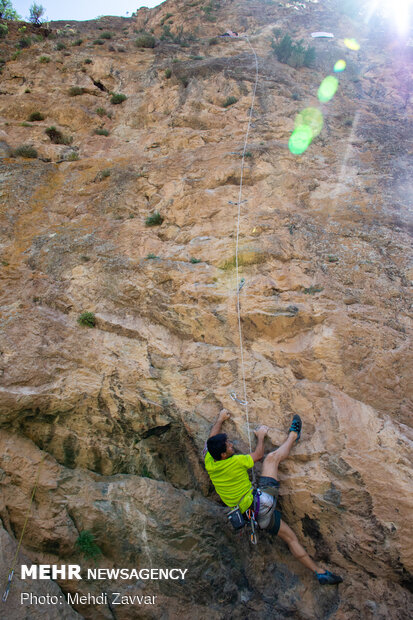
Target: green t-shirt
pixel 230 479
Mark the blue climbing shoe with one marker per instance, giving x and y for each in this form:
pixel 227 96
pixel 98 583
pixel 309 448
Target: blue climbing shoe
pixel 328 579
pixel 296 425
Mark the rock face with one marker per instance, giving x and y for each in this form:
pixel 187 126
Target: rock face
pixel 121 410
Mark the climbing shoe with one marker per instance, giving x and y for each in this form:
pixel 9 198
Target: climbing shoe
pixel 296 425
pixel 328 579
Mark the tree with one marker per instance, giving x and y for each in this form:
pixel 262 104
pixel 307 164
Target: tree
pixel 36 13
pixel 7 11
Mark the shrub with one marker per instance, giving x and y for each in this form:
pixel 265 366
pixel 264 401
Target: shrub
pixel 101 111
pixel 101 132
pixel 145 40
pixel 88 61
pixel 213 41
pixel 57 137
pixel 229 101
pixel 60 46
pixel 73 156
pixel 105 173
pixel 3 30
pixel 184 81
pixel 74 91
pixel 25 151
pixel 293 54
pixel 16 55
pixel 150 255
pixel 168 73
pixel 44 59
pixel 195 260
pixel 27 90
pixel 117 98
pixel 155 219
pixel 106 35
pixel 87 319
pixel 312 290
pixel 87 546
pixel 98 42
pixel 24 42
pixel 25 124
pixel 77 42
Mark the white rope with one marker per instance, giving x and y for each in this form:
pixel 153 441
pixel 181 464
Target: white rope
pixel 245 401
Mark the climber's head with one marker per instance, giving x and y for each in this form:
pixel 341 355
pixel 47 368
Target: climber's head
pixel 219 447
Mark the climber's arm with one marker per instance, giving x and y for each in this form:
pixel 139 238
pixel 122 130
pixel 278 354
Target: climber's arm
pixel 216 429
pixel 259 450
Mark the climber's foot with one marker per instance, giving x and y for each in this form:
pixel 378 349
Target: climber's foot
pixel 328 579
pixel 296 426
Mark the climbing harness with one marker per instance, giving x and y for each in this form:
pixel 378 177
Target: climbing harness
pixel 13 566
pixel 249 518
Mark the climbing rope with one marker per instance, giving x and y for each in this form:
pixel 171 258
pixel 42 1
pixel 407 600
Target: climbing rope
pixel 13 566
pixel 244 401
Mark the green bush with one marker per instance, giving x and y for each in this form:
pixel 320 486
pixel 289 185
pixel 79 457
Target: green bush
pixel 24 42
pixel 150 256
pixel 229 101
pixel 3 31
pixel 101 132
pixel 145 40
pixel 101 111
pixel 88 61
pixel 35 116
pixel 26 151
pixel 44 59
pixel 77 43
pixel 195 260
pixel 57 137
pixel 105 173
pixel 106 35
pixel 98 42
pixel 87 319
pixel 74 91
pixel 60 46
pixel 73 156
pixel 87 546
pixel 312 290
pixel 117 98
pixel 184 81
pixel 155 219
pixel 168 73
pixel 293 53
pixel 213 41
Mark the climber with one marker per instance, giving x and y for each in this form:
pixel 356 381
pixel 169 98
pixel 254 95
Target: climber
pixel 228 473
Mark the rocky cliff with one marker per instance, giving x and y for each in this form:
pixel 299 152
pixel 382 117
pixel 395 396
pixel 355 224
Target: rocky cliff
pixel 123 207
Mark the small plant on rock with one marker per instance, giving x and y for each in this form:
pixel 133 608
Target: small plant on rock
pixel 60 46
pixel 87 545
pixel 44 59
pixel 145 40
pixel 26 151
pixel 101 132
pixel 168 73
pixel 57 137
pixel 106 35
pixel 117 98
pixel 194 260
pixel 155 219
pixel 150 256
pixel 229 101
pixel 74 91
pixel 87 319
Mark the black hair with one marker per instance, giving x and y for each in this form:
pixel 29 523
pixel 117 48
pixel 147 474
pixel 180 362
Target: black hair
pixel 217 445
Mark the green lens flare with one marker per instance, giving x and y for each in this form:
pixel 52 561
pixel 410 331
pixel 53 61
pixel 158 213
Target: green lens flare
pixel 352 44
pixel 300 140
pixel 340 66
pixel 312 118
pixel 328 88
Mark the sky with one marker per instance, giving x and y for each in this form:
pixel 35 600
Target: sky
pixel 81 10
